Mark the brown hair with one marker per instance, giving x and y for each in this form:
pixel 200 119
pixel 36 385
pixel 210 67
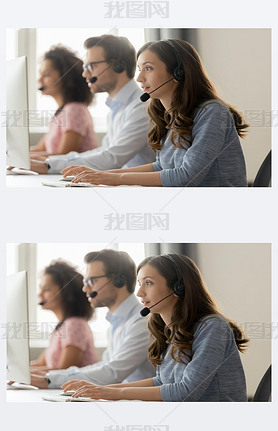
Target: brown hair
pixel 115 262
pixel 69 66
pixel 115 48
pixel 73 300
pixel 187 97
pixel 194 305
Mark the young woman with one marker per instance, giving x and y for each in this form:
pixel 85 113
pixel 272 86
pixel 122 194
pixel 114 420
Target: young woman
pixel 195 135
pixel 194 348
pixel 71 342
pixel 71 128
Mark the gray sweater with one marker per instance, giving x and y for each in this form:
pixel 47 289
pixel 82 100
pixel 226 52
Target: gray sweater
pixel 215 157
pixel 214 373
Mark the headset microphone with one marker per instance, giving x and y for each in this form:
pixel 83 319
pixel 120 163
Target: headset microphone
pixel 42 303
pixel 41 88
pixel 94 293
pixel 144 97
pixel 145 311
pixel 95 78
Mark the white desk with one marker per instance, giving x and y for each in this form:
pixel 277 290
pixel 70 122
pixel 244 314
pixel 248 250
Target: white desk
pixel 30 395
pixel 35 181
pixel 35 396
pixel 29 180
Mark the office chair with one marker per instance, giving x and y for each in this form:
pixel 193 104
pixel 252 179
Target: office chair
pixel 263 391
pixel 263 177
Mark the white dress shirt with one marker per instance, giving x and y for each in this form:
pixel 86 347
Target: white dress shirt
pixel 125 358
pixel 125 142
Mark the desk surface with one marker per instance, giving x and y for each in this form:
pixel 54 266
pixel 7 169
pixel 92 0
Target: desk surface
pixel 35 395
pixel 30 395
pixel 36 181
pixel 29 180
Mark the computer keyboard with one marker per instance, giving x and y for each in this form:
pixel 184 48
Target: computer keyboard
pixel 67 399
pixel 53 183
pixel 67 183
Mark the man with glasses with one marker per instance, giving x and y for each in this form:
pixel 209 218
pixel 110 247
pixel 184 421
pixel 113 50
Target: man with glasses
pixel 110 67
pixel 110 282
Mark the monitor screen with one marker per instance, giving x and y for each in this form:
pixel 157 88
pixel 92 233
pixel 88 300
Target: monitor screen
pixel 17 332
pixel 17 127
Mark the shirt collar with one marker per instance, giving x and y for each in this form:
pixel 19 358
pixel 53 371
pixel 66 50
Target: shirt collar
pixel 124 310
pixel 123 95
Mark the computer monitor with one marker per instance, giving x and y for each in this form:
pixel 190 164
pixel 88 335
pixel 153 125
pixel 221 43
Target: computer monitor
pixel 17 128
pixel 18 356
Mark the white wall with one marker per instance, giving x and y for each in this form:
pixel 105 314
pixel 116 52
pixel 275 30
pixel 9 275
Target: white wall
pixel 238 276
pixel 238 61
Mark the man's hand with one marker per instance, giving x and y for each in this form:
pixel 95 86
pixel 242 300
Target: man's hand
pixel 39 167
pixel 39 381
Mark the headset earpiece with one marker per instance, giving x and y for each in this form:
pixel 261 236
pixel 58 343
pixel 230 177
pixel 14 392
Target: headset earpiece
pixel 119 280
pixel 178 72
pixel 119 65
pixel 179 288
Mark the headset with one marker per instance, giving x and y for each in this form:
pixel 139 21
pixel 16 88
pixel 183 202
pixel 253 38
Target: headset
pixel 119 279
pixel 178 72
pixel 119 64
pixel 179 288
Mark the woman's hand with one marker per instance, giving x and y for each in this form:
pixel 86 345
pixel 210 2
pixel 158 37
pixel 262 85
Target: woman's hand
pixel 88 175
pixel 89 390
pixel 75 170
pixel 98 392
pixel 72 385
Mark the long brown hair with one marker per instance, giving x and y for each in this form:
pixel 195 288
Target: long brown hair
pixel 69 66
pixel 187 97
pixel 73 300
pixel 194 305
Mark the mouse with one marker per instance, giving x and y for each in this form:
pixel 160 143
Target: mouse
pixel 68 178
pixel 67 393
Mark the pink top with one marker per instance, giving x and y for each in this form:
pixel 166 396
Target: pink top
pixel 76 117
pixel 75 331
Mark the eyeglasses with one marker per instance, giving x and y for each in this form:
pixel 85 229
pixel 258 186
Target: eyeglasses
pixel 90 66
pixel 90 280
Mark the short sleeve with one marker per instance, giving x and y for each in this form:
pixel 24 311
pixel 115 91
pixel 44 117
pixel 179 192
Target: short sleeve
pixel 76 332
pixel 75 117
